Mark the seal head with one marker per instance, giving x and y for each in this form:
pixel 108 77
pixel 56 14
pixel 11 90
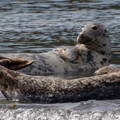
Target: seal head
pixel 92 32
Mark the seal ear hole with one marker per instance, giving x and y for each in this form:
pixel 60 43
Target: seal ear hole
pixel 94 27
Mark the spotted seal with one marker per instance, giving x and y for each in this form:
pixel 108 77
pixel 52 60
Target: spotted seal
pixel 92 51
pixel 48 89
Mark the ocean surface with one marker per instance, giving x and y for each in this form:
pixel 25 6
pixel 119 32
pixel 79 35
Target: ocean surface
pixel 36 26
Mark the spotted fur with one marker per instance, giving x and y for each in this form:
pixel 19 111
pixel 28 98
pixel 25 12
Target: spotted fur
pixel 49 89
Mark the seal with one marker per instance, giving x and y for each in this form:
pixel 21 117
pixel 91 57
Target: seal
pixel 92 51
pixel 49 89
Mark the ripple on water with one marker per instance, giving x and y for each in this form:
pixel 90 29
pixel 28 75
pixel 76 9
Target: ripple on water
pixel 91 110
pixel 35 26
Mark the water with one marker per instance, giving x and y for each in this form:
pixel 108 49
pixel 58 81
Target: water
pixel 90 110
pixel 37 25
pixel 41 25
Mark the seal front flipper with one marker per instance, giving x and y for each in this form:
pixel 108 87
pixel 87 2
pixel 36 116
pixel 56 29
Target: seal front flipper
pixel 15 63
pixel 68 55
pixel 76 54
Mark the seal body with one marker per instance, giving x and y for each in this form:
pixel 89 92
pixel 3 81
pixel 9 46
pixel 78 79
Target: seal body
pixel 92 51
pixel 51 63
pixel 48 89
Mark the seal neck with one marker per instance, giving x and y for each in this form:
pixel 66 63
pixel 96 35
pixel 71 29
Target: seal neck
pixel 101 46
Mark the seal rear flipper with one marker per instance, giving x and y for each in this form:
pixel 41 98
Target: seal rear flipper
pixel 106 70
pixel 15 63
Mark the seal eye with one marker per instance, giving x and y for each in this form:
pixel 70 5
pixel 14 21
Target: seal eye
pixel 94 27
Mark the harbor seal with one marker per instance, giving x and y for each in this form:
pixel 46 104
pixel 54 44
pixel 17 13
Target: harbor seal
pixel 48 89
pixel 92 51
pixel 14 63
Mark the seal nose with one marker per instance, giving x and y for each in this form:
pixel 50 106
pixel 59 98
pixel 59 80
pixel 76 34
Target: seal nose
pixel 81 35
pixel 80 38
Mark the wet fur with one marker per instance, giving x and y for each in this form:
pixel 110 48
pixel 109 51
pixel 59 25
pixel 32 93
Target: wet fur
pixel 45 89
